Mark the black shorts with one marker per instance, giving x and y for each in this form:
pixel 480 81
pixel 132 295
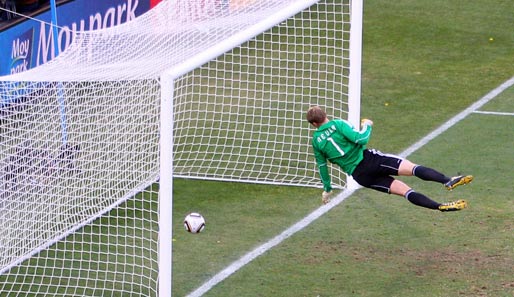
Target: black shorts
pixel 375 171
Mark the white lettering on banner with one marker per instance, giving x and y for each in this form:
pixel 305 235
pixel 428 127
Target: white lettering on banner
pixel 20 68
pixel 20 49
pixel 111 17
pixel 43 48
pixel 131 11
pixel 19 55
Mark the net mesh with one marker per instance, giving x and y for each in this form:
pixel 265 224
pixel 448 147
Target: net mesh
pixel 80 134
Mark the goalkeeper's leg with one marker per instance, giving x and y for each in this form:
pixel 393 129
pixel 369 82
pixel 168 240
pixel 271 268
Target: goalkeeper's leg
pixel 400 188
pixel 425 173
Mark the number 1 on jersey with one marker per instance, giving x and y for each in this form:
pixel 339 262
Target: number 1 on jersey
pixel 338 148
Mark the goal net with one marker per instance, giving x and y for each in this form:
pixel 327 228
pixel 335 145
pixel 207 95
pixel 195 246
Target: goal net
pixel 203 89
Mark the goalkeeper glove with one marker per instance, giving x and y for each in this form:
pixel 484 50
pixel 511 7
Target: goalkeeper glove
pixel 325 197
pixel 366 122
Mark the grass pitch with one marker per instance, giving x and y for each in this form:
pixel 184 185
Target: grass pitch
pixel 424 61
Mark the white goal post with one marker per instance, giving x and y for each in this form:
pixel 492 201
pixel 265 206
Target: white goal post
pixel 198 89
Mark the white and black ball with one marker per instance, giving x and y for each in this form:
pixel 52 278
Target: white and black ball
pixel 194 222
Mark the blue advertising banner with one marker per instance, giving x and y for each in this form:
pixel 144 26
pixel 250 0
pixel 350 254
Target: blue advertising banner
pixel 30 43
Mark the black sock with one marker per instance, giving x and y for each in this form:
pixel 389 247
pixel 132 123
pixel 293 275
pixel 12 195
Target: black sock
pixel 430 174
pixel 421 200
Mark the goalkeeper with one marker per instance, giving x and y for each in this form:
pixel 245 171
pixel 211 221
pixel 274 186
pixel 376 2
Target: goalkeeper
pixel 338 142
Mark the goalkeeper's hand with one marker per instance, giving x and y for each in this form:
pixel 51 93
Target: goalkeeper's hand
pixel 366 122
pixel 325 197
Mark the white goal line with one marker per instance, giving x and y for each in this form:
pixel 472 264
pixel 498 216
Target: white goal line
pixel 236 265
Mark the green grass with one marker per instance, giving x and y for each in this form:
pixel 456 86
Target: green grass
pixel 379 245
pixel 238 218
pixel 428 60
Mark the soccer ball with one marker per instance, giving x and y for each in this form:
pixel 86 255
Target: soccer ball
pixel 194 222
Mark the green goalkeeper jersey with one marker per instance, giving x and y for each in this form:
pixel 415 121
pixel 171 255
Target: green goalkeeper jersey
pixel 338 142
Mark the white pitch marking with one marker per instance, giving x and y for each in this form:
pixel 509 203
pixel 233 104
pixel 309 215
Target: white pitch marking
pixel 459 117
pixel 495 113
pixel 236 265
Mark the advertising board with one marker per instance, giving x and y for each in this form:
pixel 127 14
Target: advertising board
pixel 30 43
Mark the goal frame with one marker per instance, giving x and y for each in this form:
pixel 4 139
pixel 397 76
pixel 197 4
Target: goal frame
pixel 95 138
pixel 168 79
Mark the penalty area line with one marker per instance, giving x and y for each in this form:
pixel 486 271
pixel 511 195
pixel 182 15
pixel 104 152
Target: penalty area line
pixel 236 265
pixel 459 117
pixel 494 113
